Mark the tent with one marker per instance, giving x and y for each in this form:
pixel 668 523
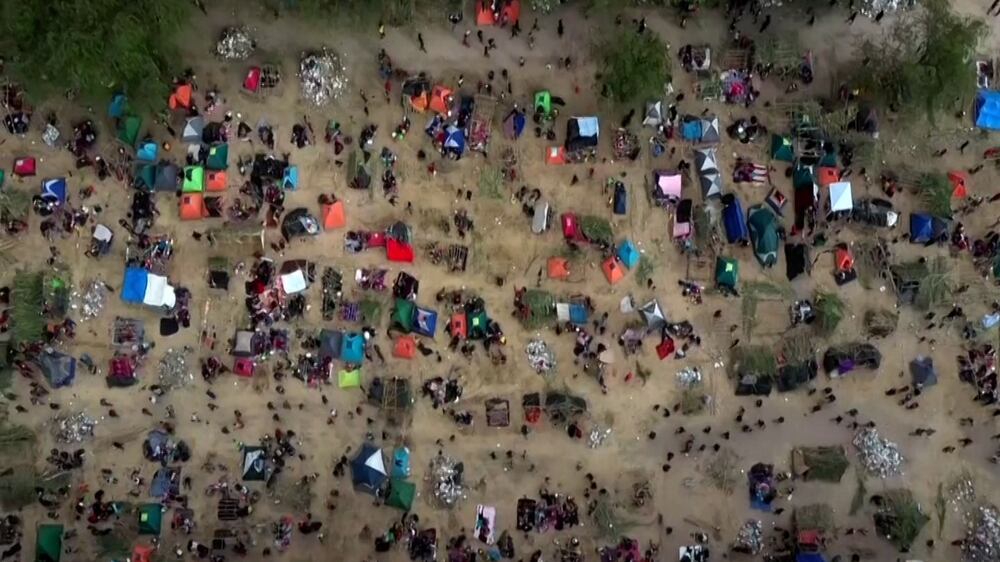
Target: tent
pixel 628 254
pixel 141 286
pixel 796 260
pixel 841 197
pixel 359 171
pixel 147 151
pixel 332 215
pixel 403 312
pixel 192 207
pixel 652 315
pixel 48 542
pixel 509 13
pixel 459 325
pixel 352 348
pixel 987 110
pixel 442 100
pixel 666 185
pixel 117 106
pixel 727 272
pixel 193 129
pixel 330 344
pixel 57 367
pixel 619 201
pixel 613 270
pixel 926 228
pixel 194 179
pixel 454 141
pixel 543 102
pixel 218 157
pixel 425 322
pixel 401 494
pixel 782 148
pixel 290 178
pixel 25 166
pixel 582 133
pixel 733 219
pixel 401 463
pixel 142 553
pixel 181 97
pixel 254 464
pixel 166 177
pixel 216 181
pixel 573 312
pixel 555 155
pixel 128 130
pixel 802 178
pixel 959 183
pixel 923 372
pixel 368 469
pixel 54 190
pixel 691 128
pixel 711 184
pixel 150 519
pixel 558 268
pixel 827 175
pixel 349 379
pixel 654 114
pixel 706 160
pixel 397 251
pixel 405 347
pixel 764 235
pixel 710 130
pixel 514 123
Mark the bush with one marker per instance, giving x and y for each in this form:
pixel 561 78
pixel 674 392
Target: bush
pixel 829 312
pixel 900 520
pixel 935 194
pixel 634 67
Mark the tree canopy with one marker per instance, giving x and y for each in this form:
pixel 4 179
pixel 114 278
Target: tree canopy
pixel 633 67
pixel 92 47
pixel 923 63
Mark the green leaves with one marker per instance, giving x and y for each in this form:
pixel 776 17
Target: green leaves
pixel 634 67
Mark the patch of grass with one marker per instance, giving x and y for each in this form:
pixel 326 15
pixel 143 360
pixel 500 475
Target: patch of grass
pixel 860 493
pixel 644 271
pixel 491 183
pixel 818 516
pixel 830 310
pixel 28 302
pixel 371 311
pixel 754 292
pixel 758 360
pixel 723 471
pixel 609 521
pixel 900 520
pixel 693 400
pixel 935 193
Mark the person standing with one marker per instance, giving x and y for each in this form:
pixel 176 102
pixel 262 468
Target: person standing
pixel 381 30
pixel 420 39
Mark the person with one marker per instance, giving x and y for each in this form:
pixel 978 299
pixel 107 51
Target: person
pixel 381 30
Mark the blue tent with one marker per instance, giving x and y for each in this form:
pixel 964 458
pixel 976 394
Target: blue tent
pixel 291 179
pixel 147 151
pixel 368 469
pixel 54 189
pixel 514 123
pixel 352 348
pixel 734 219
pixel 401 463
pixel 578 313
pixel 454 140
pixel 59 368
pixel 165 480
pixel 987 110
pixel 117 107
pixel 134 284
pixel 425 322
pixel 925 228
pixel 628 253
pixel 691 130
pixel 620 200
pixel 809 557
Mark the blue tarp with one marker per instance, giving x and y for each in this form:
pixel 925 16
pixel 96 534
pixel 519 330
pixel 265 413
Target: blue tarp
pixel 116 109
pixel 734 219
pixel 925 228
pixel 628 254
pixel 147 152
pixel 401 463
pixel 368 469
pixel 578 313
pixel 164 480
pixel 330 344
pixel 513 125
pixel 620 200
pixel 454 140
pixel 425 322
pixel 987 110
pixel 809 557
pixel 134 284
pixel 291 179
pixel 588 126
pixel 59 368
pixel 352 349
pixel 691 130
pixel 54 189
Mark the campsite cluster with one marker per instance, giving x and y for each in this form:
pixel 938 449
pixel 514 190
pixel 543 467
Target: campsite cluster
pixel 299 345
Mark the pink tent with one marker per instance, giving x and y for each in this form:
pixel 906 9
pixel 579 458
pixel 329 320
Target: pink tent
pixel 669 184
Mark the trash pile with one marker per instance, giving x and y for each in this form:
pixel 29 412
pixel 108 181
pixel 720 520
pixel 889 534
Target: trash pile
pixel 598 435
pixel 541 357
pixel 879 456
pixel 89 301
pixel 174 371
pixel 73 428
pixel 446 480
pixel 982 543
pixel 869 8
pixel 235 44
pixel 749 538
pixel 323 77
pixel 962 491
pixel 688 377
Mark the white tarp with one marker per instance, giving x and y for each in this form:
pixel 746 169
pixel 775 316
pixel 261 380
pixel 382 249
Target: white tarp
pixel 159 292
pixel 841 198
pixel 253 461
pixel 294 282
pixel 103 233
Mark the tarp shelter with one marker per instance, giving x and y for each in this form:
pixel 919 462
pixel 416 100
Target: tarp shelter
pixel 710 130
pixel 403 312
pixel 150 519
pixel 841 196
pixel 573 312
pixel 349 379
pixel 782 148
pixel 987 110
pixel 192 207
pixel 667 185
pixel 923 372
pixel 48 543
pixel 454 140
pixel 142 287
pixel 216 181
pixel 628 254
pixel 330 343
pixel 514 123
pixel 333 216
pixel 147 151
pixel 558 268
pixel 826 175
pixel 293 281
pixel 582 133
pixel 194 179
pixel 691 129
pixel 733 219
pixel 58 368
pixel 128 130
pixel 959 183
pixel 405 347
pixel 193 129
pixel 764 235
pixel 368 469
pixel 117 106
pixel 254 464
pixel 809 557
pixel 25 166
pixel 926 228
pixel 652 314
pixel 425 322
pixel 459 325
pixel 359 170
pixel 613 270
pixel 397 251
pixel 352 348
pixel 401 494
pixel 796 260
pixel 654 114
pixel 181 97
pixel 54 189
pixel 218 157
pixel 509 12
pixel 727 272
pixel 290 179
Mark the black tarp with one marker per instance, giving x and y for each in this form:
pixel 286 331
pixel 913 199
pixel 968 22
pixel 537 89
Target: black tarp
pixel 796 260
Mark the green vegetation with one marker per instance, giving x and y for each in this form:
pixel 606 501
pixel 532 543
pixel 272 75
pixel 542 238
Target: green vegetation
pixel 28 305
pixel 900 520
pixel 923 63
pixel 880 322
pixel 93 47
pixel 925 284
pixel 723 470
pixel 829 312
pixel 816 516
pixel 757 360
pixel 644 271
pixel 860 492
pixel 17 451
pixel 935 193
pixel 633 67
pixel 365 12
pixel 540 309
pixel 597 230
pixel 491 183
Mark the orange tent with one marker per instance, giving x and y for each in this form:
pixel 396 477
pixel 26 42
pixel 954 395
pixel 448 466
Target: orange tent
pixel 459 325
pixel 827 175
pixel 217 180
pixel 142 553
pixel 509 14
pixel 613 270
pixel 844 259
pixel 958 183
pixel 442 99
pixel 192 207
pixel 406 347
pixel 181 98
pixel 558 268
pixel 555 155
pixel 333 215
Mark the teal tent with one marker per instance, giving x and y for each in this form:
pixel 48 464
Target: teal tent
pixel 48 543
pixel 763 235
pixel 727 273
pixel 402 315
pixel 782 148
pixel 218 157
pixel 150 519
pixel 128 130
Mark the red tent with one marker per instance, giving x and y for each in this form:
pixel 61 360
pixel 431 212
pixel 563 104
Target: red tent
pixel 192 207
pixel 216 180
pixel 665 348
pixel 243 366
pixel 398 251
pixel 459 325
pixel 510 12
pixel 377 240
pixel 555 155
pixel 252 81
pixel 844 259
pixel 181 98
pixel 142 553
pixel 333 215
pixel 25 167
pixel 827 175
pixel 958 182
pixel 570 227
pixel 406 347
pixel 613 270
pixel 442 100
pixel 558 268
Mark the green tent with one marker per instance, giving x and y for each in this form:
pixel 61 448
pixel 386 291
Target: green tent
pixel 2 176
pixel 401 494
pixel 781 148
pixel 145 177
pixel 128 130
pixel 829 158
pixel 359 169
pixel 803 178
pixel 543 102
pixel 402 315
pixel 763 235
pixel 477 325
pixel 349 379
pixel 194 179
pixel 150 519
pixel 218 157
pixel 48 543
pixel 727 272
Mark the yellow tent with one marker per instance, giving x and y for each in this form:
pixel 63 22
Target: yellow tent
pixel 349 379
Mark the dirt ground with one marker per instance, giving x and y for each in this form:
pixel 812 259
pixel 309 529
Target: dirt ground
pixel 503 245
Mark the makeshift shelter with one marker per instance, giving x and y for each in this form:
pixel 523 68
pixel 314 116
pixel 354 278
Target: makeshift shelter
pixel 652 315
pixel 194 179
pixel 58 368
pixel 782 148
pixel 401 463
pixel 987 110
pixel 290 178
pixel 192 207
pixel 368 469
pixel 727 272
pixel 841 197
pixel 122 371
pixel 797 260
pixel 582 133
pixel 218 157
pixel 359 169
pixel 54 190
pixel 150 519
pixel 826 175
pixel 454 141
pixel 666 186
pixel 48 542
pixel 619 201
pixel 459 325
pixel 25 167
pixel 181 98
pixel 558 268
pixel 142 287
pixel 803 178
pixel 216 181
pixel 405 347
pixel 330 344
pixel 128 130
pixel 425 322
pixel 352 349
pixel 514 123
pixel 397 251
pixel 505 12
pixel 117 106
pixel 733 219
pixel 401 494
pixel 925 228
pixel 573 312
pixel 922 372
pixel 254 464
pixel 628 254
pixel 613 270
pixel 959 183
pixel 654 114
pixel 333 215
pixel 403 312
pixel 349 378
pixel 691 128
pixel 763 235
pixel 827 464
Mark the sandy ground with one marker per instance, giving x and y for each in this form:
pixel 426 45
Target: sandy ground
pixel 504 246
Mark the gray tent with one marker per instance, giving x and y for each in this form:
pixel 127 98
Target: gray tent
pixel 654 114
pixel 652 314
pixel 193 129
pixel 166 177
pixel 706 160
pixel 923 372
pixel 710 130
pixel 59 369
pixel 254 464
pixel 711 184
pixel 330 342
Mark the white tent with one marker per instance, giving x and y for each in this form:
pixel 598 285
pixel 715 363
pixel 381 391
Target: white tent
pixel 159 292
pixel 103 233
pixel 654 114
pixel 294 282
pixel 193 129
pixel 706 160
pixel 841 198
